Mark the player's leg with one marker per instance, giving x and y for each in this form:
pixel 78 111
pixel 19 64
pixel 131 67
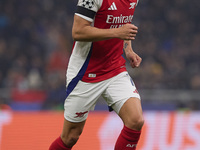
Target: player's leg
pixel 69 137
pixel 71 132
pixel 122 95
pixel 131 115
pixel 77 105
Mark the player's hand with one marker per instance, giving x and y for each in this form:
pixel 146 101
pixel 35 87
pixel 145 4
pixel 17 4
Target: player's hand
pixel 134 59
pixel 127 32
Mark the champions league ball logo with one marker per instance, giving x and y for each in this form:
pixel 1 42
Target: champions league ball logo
pixel 88 4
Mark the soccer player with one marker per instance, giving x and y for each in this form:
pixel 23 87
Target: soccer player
pixel 101 30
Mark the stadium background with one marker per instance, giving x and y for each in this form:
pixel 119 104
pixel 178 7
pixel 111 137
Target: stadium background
pixel 35 45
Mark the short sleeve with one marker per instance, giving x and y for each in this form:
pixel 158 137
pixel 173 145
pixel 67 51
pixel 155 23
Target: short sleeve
pixel 87 9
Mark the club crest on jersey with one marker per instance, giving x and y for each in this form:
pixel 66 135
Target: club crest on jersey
pixel 88 4
pixel 132 5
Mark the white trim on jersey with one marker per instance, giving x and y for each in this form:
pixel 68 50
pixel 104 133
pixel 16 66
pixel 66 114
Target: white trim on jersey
pixel 112 7
pixel 77 59
pixel 85 17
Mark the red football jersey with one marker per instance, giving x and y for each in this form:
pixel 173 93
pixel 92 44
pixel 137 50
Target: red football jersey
pixel 97 61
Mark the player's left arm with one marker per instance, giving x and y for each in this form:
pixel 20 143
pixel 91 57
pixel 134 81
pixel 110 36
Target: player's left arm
pixel 134 59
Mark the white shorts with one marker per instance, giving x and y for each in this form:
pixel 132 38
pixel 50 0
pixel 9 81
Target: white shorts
pixel 83 97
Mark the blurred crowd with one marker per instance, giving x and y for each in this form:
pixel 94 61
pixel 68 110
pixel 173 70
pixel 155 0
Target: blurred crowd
pixel 35 45
pixel 169 43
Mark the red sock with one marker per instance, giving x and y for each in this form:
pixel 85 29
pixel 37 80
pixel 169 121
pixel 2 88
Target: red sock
pixel 128 139
pixel 58 145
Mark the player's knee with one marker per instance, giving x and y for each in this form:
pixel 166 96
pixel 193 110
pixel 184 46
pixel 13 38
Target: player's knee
pixel 135 123
pixel 70 140
pixel 140 123
pixel 73 139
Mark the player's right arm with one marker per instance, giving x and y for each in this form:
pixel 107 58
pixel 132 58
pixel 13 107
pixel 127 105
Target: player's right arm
pixel 83 31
